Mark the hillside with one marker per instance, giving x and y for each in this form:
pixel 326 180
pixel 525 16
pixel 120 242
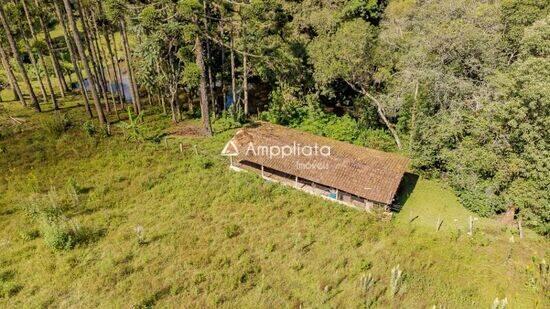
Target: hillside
pixel 158 226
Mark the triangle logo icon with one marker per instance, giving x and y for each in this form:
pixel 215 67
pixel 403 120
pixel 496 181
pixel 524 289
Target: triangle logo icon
pixel 230 149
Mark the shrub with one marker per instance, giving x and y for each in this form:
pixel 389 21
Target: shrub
pixel 285 108
pixel 48 210
pixel 56 125
pixel 226 122
pixel 376 139
pixel 342 128
pixel 307 115
pixel 60 235
pixel 133 129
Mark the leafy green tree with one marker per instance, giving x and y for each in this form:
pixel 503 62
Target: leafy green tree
pixel 346 54
pixel 516 16
pixel 523 117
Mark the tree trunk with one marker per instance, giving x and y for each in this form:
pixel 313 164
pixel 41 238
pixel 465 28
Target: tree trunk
pixel 245 69
pixel 205 114
pixel 49 82
pixel 209 61
pixel 80 48
pixel 189 103
pixel 88 46
pixel 31 54
pixel 163 102
pixel 412 136
pixel 233 78
pixel 103 69
pixel 120 76
pixel 113 67
pixel 135 92
pixel 55 62
pixel 173 105
pixel 41 56
pixel 36 68
pixel 178 107
pixel 11 76
pixel 245 84
pixel 96 61
pixel 74 57
pixel 17 57
pixel 107 78
pixel 384 119
pixel 222 71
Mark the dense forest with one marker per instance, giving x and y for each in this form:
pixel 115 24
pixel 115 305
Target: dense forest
pixel 461 87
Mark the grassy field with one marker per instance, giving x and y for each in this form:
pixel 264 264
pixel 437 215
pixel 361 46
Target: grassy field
pixel 154 226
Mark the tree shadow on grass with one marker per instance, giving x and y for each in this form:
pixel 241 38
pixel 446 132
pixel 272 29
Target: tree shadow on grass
pixel 49 108
pixel 408 183
pixel 153 298
pixel 87 235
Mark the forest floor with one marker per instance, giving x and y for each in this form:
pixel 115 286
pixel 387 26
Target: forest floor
pixel 168 227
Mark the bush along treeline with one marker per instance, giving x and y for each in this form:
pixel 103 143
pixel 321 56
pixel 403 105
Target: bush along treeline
pixel 461 87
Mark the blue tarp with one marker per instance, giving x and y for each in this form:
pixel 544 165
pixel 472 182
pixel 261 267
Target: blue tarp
pixel 125 87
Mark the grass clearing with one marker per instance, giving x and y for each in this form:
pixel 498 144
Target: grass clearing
pixel 163 227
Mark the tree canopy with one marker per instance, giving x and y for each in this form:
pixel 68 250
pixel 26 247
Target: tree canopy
pixel 459 86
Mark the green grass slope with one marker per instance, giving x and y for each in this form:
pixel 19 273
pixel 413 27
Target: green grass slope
pixel 160 227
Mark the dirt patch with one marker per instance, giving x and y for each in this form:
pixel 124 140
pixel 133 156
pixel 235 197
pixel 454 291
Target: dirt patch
pixel 187 131
pixel 507 218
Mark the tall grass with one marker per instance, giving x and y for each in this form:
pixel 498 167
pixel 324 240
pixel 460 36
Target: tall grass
pixel 211 237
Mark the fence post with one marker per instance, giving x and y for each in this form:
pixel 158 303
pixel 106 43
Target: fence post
pixel 520 228
pixel 471 226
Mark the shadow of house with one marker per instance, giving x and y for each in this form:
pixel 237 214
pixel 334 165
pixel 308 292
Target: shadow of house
pixel 406 187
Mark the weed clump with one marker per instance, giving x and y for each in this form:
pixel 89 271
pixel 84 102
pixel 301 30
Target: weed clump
pixel 396 281
pixel 8 288
pixel 202 162
pixel 29 235
pixel 140 235
pixel 89 128
pixel 61 234
pixel 232 231
pixel 58 231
